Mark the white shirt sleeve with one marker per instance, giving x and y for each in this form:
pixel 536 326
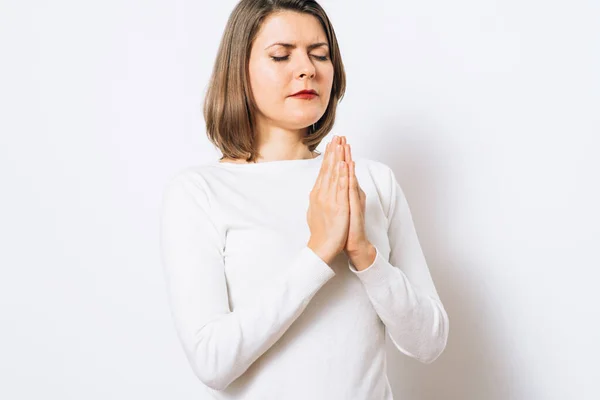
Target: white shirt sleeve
pixel 219 343
pixel 401 289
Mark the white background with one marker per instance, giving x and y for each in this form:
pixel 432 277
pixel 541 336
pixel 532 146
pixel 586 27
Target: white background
pixel 488 112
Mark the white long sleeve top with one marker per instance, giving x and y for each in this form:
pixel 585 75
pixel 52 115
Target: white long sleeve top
pixel 260 316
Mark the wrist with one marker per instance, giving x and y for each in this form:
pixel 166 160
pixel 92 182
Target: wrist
pixel 321 252
pixel 364 256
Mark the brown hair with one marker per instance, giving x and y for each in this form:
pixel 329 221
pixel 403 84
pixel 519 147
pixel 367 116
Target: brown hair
pixel 229 106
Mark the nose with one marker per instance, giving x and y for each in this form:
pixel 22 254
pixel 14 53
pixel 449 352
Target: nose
pixel 306 68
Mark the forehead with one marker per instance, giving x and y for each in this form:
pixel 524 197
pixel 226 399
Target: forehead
pixel 290 27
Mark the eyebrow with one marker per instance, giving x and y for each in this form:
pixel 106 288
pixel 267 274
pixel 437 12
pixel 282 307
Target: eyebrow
pixel 293 46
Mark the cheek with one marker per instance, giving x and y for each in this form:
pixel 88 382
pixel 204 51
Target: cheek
pixel 326 74
pixel 266 81
pixel 330 76
pixel 326 83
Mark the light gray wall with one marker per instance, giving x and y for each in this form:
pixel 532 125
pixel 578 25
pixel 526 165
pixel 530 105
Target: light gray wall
pixel 488 112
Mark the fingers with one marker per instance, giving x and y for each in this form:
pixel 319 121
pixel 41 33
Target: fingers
pixel 351 182
pixel 329 168
pixel 353 195
pixel 324 165
pixel 341 186
pixel 351 176
pixel 355 192
pixel 333 175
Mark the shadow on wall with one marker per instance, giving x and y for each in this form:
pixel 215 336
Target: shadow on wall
pixel 473 365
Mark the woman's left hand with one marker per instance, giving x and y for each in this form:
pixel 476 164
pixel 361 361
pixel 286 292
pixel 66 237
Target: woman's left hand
pixel 357 243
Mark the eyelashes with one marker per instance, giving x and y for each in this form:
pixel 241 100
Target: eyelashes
pixel 278 59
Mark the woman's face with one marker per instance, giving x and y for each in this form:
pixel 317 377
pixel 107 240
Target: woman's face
pixel 301 67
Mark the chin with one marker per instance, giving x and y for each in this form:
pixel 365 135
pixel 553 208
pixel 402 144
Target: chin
pixel 305 119
pixel 301 124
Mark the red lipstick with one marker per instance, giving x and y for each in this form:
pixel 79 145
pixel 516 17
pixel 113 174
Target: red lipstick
pixel 305 94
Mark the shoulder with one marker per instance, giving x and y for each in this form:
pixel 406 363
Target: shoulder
pixel 376 171
pixel 188 184
pixel 383 179
pixel 197 175
pixel 375 167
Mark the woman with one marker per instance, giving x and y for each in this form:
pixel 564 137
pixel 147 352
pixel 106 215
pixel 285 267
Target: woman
pixel 283 273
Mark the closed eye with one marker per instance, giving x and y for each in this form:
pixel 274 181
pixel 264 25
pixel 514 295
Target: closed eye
pixel 277 59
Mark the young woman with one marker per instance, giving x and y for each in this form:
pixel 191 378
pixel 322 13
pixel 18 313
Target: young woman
pixel 283 273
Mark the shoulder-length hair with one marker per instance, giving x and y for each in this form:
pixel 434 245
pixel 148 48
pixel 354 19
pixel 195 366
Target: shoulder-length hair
pixel 229 107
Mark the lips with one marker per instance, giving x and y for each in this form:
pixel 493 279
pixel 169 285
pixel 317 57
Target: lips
pixel 310 91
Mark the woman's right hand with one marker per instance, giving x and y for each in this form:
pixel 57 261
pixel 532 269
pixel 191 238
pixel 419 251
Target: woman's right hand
pixel 328 213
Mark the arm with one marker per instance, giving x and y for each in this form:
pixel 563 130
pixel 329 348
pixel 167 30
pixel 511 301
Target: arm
pixel 219 343
pixel 401 289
